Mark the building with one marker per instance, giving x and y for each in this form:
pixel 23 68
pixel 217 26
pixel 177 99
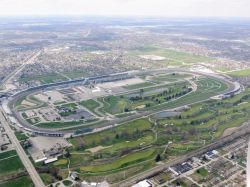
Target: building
pixel 74 176
pixel 145 183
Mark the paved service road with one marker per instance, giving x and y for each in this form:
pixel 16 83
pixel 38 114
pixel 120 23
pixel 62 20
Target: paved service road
pixel 30 60
pixel 248 165
pixel 24 158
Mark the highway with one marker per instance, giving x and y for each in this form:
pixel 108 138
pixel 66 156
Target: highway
pixel 21 153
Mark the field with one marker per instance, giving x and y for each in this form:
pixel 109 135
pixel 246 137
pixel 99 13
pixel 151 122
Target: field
pixel 21 136
pixel 137 145
pixel 46 79
pixel 109 137
pixel 120 163
pixel 169 77
pixel 167 91
pixel 55 125
pixel 240 73
pixel 200 175
pixel 90 105
pixel 206 88
pixel 29 102
pixel 10 164
pixel 130 146
pixel 19 182
pixel 208 121
pixel 183 182
pixel 172 57
pixel 76 74
pixel 137 86
pixel 165 97
pixel 144 98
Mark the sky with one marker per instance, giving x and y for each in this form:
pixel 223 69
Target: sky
pixel 161 8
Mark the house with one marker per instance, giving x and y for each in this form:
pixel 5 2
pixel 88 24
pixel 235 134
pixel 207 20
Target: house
pixel 74 176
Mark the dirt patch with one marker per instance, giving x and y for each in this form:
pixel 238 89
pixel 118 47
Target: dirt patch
pixel 152 57
pixel 98 148
pixel 229 131
pixel 27 103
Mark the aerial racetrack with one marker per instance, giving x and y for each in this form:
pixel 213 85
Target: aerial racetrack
pixel 145 95
pixel 133 125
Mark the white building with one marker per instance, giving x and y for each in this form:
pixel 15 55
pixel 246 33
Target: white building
pixel 144 183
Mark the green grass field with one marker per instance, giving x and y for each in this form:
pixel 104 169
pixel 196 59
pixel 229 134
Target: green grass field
pixel 138 86
pixel 183 182
pixel 67 182
pixel 121 148
pixel 133 146
pixel 21 136
pixel 76 74
pixel 10 163
pixel 7 154
pixel 144 98
pixel 45 79
pixel 47 178
pixel 172 57
pixel 55 125
pixel 108 137
pixel 200 175
pixel 240 73
pixel 210 119
pixel 19 182
pixel 169 77
pixel 33 103
pixel 90 104
pixel 207 87
pixel 120 163
pixel 34 120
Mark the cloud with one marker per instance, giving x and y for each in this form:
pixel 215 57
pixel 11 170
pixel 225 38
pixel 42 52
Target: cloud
pixel 232 8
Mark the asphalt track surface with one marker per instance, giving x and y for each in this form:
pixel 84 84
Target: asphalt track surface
pixel 128 182
pixel 113 122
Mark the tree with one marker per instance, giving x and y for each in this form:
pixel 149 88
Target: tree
pixel 158 158
pixel 126 109
pixel 117 136
pixel 54 172
pixel 141 92
pixel 192 132
pixel 67 154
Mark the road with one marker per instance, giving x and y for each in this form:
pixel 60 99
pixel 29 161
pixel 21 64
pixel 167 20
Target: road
pixel 19 69
pixel 21 153
pixel 36 178
pixel 248 165
pixel 138 115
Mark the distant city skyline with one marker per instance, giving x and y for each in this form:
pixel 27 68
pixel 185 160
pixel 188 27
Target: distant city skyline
pixel 163 8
